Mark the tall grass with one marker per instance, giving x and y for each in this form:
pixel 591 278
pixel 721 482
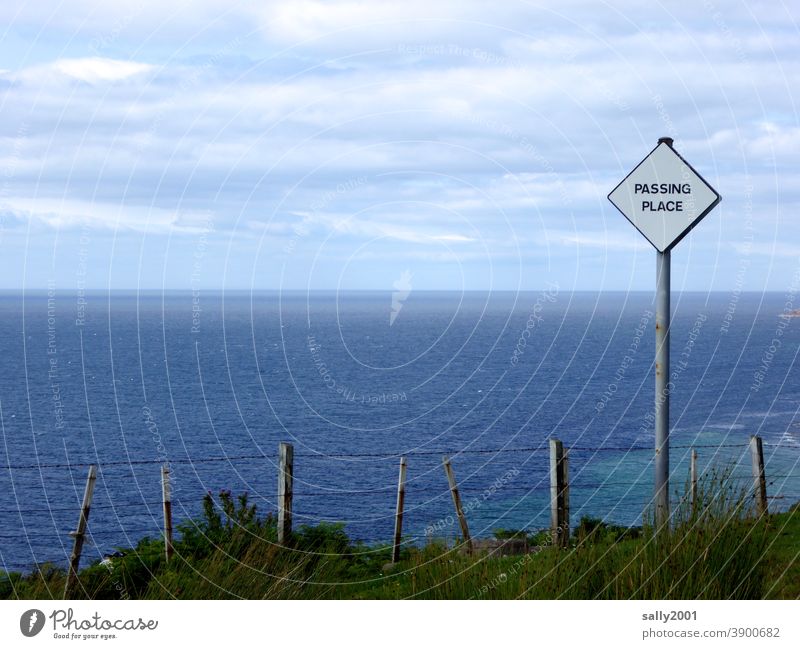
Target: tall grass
pixel 714 550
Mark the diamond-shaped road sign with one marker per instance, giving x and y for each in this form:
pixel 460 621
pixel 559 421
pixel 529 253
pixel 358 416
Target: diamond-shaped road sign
pixel 664 197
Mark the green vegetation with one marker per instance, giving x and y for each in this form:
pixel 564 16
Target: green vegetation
pixel 716 551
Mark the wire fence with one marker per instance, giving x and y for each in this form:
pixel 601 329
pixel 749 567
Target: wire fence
pixel 386 455
pixel 138 510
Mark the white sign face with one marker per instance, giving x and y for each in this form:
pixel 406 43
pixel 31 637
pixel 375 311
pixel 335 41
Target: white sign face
pixel 664 197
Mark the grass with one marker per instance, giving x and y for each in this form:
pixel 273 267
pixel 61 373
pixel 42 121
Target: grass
pixel 718 550
pixel 783 557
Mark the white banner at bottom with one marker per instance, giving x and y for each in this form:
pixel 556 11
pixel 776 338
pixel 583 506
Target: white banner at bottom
pixel 390 624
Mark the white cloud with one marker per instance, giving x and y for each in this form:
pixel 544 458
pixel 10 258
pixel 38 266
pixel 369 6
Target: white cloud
pixel 381 227
pixel 67 213
pixel 601 240
pixel 376 22
pixel 96 69
pixel 90 70
pixel 774 249
pixel 473 125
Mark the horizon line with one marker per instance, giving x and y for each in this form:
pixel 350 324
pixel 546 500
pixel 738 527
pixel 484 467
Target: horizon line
pixel 189 290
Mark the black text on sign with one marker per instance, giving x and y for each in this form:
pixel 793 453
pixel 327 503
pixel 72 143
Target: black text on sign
pixel 654 190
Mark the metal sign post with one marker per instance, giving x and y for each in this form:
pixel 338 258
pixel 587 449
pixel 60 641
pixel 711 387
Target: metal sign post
pixel 661 493
pixel 664 198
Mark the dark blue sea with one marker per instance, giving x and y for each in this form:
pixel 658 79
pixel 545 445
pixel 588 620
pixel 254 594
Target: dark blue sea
pixel 211 383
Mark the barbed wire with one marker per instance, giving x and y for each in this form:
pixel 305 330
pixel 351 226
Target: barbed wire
pixel 441 491
pixel 101 464
pixel 451 452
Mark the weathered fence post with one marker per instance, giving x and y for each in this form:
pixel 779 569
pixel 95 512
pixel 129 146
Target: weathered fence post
pixel 559 493
pixel 80 532
pixel 285 474
pixel 693 480
pixel 462 519
pixel 759 479
pixel 166 493
pixel 398 517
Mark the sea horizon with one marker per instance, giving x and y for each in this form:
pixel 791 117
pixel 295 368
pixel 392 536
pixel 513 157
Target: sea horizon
pixel 103 291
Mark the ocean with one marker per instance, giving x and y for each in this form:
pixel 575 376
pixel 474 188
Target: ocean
pixel 211 383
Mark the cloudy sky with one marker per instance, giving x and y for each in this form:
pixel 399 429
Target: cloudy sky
pixel 265 145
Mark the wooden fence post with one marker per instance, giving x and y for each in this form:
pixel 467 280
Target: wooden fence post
pixel 80 532
pixel 166 493
pixel 398 517
pixel 559 493
pixel 462 519
pixel 759 479
pixel 693 480
pixel 285 476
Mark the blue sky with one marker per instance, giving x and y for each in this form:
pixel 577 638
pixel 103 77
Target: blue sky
pixel 336 145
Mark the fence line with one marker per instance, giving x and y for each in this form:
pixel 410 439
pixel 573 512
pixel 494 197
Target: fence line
pixel 560 527
pixel 456 453
pixel 540 486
